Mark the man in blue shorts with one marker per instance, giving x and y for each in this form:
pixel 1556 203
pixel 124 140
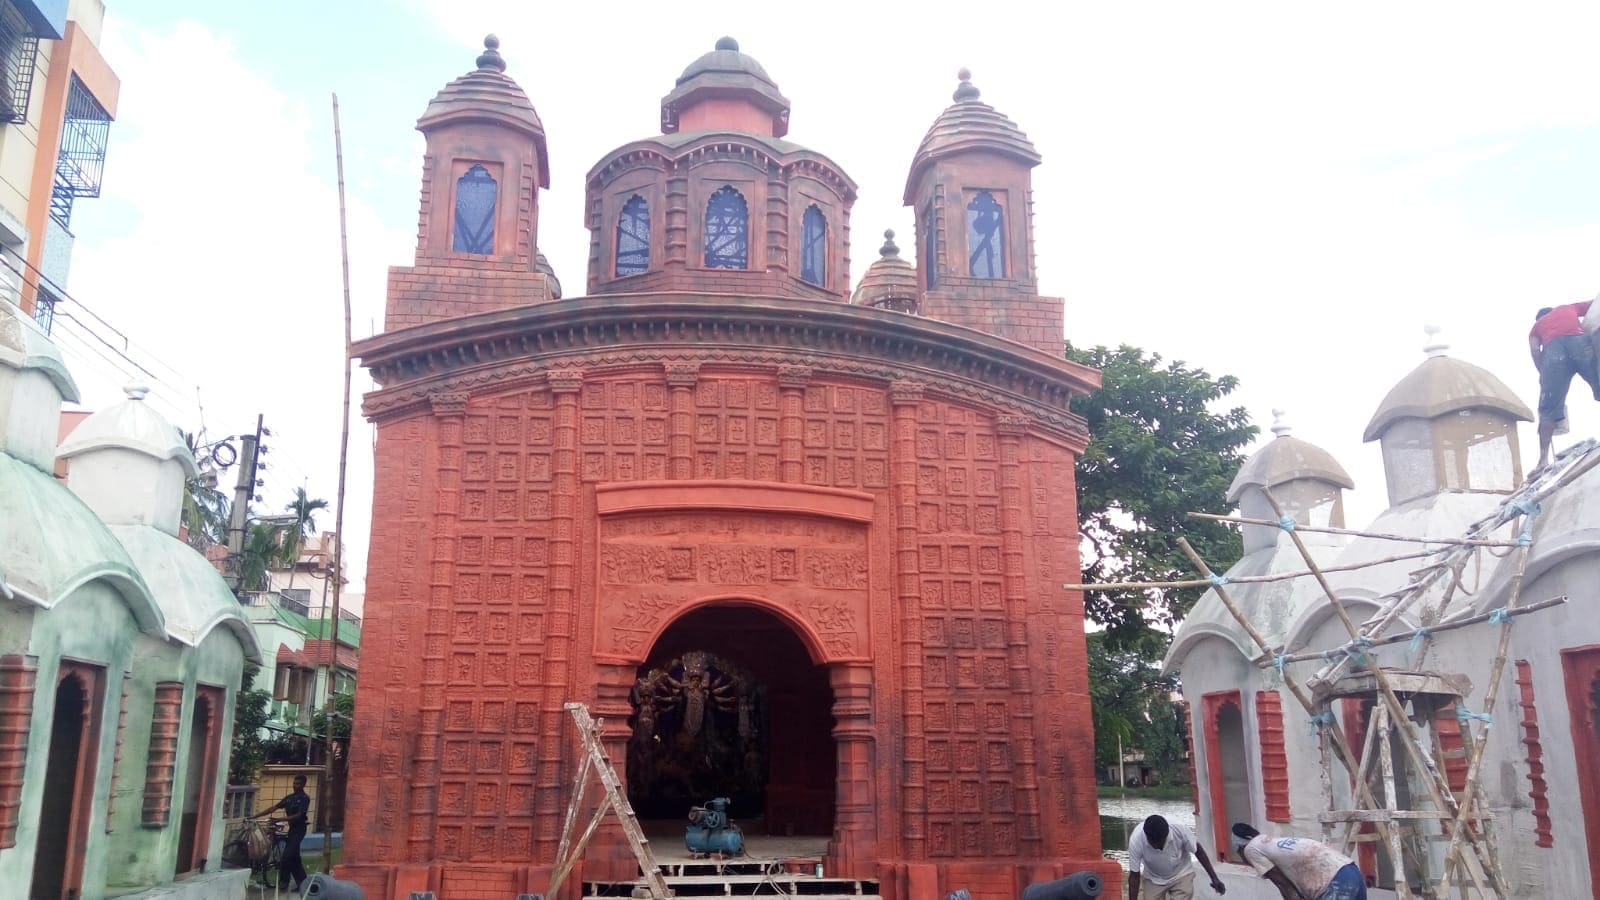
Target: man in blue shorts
pixel 1300 868
pixel 1560 350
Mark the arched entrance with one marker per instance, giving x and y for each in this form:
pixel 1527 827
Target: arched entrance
pixel 730 704
pixel 199 796
pixel 68 785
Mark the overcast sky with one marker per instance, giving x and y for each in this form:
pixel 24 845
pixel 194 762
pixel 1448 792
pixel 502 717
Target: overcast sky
pixel 1274 191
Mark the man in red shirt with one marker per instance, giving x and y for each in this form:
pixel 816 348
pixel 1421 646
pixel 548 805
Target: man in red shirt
pixel 1560 350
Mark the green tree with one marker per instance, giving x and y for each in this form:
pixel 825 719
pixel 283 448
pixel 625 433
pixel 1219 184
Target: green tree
pixel 205 509
pixel 1126 689
pixel 248 753
pixel 305 512
pixel 344 710
pixel 1158 452
pixel 263 549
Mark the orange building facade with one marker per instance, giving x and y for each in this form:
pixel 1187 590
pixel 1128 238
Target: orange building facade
pixel 800 546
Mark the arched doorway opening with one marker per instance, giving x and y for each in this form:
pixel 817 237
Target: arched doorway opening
pixel 1227 765
pixel 730 704
pixel 199 795
pixel 68 786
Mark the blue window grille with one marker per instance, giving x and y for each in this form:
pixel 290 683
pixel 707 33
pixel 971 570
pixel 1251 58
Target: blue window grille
pixel 929 242
pixel 475 198
pixel 814 246
pixel 81 162
pixel 44 309
pixel 633 237
pixel 986 237
pixel 727 230
pixel 19 54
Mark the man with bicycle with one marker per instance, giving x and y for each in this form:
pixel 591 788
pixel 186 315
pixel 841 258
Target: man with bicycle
pixel 294 808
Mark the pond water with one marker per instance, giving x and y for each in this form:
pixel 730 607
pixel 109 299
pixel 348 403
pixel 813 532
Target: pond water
pixel 1119 816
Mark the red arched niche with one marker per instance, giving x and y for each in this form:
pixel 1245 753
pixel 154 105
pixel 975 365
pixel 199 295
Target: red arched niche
pixel 763 736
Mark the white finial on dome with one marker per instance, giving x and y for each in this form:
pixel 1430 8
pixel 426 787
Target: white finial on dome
pixel 1436 345
pixel 1280 423
pixel 135 390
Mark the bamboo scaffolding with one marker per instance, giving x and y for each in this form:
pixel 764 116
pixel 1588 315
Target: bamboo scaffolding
pixel 1356 532
pixel 1239 579
pixel 1437 786
pixel 1451 625
pixel 1340 744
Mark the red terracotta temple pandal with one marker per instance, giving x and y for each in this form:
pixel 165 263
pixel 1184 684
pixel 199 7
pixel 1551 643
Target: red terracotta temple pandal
pixel 800 546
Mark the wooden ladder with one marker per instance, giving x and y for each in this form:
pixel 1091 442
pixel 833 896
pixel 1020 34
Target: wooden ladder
pixel 612 799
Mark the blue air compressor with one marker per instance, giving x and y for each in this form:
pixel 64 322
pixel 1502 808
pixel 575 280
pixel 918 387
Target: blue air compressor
pixel 711 831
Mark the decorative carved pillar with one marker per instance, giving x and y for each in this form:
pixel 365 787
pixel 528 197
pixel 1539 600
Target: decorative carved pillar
pixel 450 410
pixel 609 856
pixel 160 770
pixel 855 831
pixel 18 677
pixel 905 396
pixel 1014 589
pixel 681 378
pixel 550 789
pixel 791 424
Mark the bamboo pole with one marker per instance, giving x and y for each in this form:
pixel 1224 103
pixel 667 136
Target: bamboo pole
pixel 338 504
pixel 1354 532
pixel 1241 579
pixel 1382 727
pixel 1331 728
pixel 1438 788
pixel 1452 625
pixel 1490 695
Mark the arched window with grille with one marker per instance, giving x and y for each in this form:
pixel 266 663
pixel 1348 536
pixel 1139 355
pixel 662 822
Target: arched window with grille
pixel 814 246
pixel 475 198
pixel 633 237
pixel 727 230
pixel 986 237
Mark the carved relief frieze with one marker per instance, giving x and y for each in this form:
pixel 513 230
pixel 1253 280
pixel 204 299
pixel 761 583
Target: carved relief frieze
pixel 652 566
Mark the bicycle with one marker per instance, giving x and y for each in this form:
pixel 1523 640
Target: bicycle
pixel 260 846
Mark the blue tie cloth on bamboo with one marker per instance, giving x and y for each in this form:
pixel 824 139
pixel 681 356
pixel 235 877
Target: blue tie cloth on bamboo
pixel 1500 616
pixel 1321 720
pixel 1463 714
pixel 1218 580
pixel 1357 650
pixel 1528 508
pixel 1287 523
pixel 1417 637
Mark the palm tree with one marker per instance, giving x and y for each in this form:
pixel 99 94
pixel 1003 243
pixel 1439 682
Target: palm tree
pixel 305 510
pixel 263 548
pixel 205 509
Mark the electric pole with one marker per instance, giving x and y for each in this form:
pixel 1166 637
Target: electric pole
pixel 239 516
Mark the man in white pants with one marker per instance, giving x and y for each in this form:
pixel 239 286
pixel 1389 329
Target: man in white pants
pixel 1161 862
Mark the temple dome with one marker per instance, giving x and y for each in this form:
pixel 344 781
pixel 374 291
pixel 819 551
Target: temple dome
pixel 193 598
pixel 1441 385
pixel 1287 458
pixel 726 73
pixel 130 425
pixel 969 125
pixel 486 94
pixel 890 282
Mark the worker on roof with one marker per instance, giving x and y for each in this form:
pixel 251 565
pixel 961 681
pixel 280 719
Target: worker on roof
pixel 1561 349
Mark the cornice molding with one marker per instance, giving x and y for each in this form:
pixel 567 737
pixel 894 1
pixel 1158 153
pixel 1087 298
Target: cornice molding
pixel 505 349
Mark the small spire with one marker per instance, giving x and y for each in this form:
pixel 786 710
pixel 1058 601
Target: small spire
pixel 889 249
pixel 966 90
pixel 1280 423
pixel 135 390
pixel 1436 345
pixel 727 43
pixel 490 58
